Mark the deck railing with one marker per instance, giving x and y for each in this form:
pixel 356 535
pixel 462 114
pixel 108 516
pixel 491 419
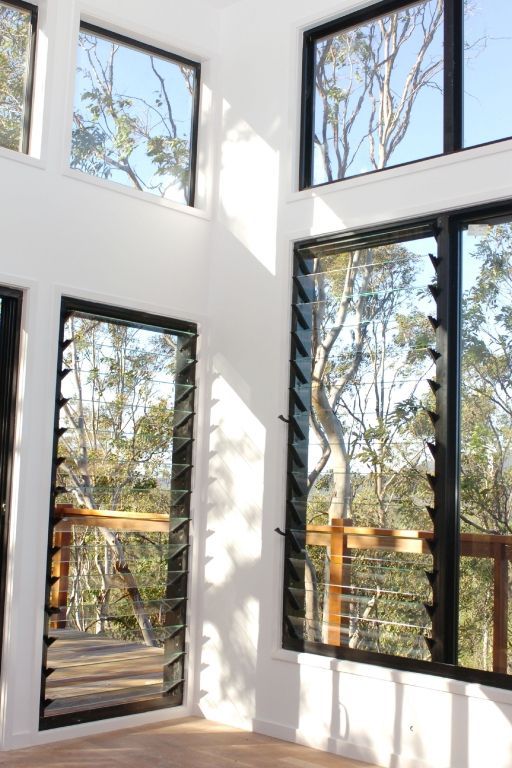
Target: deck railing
pixel 66 517
pixel 341 538
pixel 338 537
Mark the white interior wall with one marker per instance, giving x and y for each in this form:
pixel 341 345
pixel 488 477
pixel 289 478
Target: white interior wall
pixel 383 716
pixel 228 267
pixel 66 233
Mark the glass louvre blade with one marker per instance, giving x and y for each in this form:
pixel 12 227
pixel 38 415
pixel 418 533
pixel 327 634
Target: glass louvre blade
pixel 360 576
pixel 117 591
pixel 98 699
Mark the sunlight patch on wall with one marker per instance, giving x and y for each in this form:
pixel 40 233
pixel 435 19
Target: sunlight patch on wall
pixel 249 189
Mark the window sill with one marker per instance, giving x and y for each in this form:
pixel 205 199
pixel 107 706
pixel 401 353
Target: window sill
pixel 388 174
pixel 21 157
pixel 135 194
pixel 398 676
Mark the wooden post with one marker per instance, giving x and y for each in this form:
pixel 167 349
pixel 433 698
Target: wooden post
pixel 59 590
pixel 336 582
pixel 500 619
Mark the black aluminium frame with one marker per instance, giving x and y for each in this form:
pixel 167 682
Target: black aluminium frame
pixel 453 91
pixel 181 479
pixel 195 65
pixel 10 324
pixel 29 89
pixel 447 228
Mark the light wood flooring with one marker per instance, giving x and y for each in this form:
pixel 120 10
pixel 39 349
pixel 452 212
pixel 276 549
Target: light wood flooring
pixel 187 743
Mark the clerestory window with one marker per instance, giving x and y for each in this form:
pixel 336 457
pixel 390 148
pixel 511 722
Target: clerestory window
pixel 116 601
pixel 399 81
pixel 135 115
pixel 18 22
pixel 399 502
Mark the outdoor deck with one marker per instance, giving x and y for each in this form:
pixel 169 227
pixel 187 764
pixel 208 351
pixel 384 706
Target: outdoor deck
pixel 92 671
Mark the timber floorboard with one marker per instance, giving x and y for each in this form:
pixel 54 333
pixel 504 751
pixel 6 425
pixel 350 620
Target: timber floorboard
pixel 186 743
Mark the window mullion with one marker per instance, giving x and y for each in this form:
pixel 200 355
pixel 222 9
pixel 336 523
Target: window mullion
pixel 446 516
pixel 307 118
pixel 453 74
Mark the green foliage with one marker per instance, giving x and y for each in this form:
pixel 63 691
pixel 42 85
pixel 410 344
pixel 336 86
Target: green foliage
pixel 120 420
pixel 367 80
pixel 15 33
pixel 135 137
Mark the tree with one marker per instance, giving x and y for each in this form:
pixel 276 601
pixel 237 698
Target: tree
pixel 368 80
pixel 132 120
pixel 370 351
pixel 486 428
pixel 15 32
pixel 119 418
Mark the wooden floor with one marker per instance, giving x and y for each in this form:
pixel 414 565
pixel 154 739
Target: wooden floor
pixel 189 743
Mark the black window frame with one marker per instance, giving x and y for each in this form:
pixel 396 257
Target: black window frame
pixel 169 55
pixel 447 229
pixel 10 332
pixel 29 90
pixel 181 479
pixel 453 91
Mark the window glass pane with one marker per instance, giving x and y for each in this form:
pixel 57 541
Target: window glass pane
pixel 10 321
pixel 120 524
pixel 486 453
pixel 487 65
pixel 378 93
pixel 368 465
pixel 15 44
pixel 133 117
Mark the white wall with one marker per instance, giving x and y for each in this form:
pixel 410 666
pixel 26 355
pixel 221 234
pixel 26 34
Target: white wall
pixel 383 716
pixel 65 233
pixel 227 266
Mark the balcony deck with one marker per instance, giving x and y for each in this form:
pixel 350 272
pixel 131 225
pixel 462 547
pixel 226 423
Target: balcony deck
pixel 91 671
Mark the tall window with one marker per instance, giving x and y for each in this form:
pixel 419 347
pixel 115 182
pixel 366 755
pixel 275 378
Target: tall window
pixel 10 319
pixel 399 521
pixel 118 550
pixel 17 44
pixel 384 86
pixel 135 115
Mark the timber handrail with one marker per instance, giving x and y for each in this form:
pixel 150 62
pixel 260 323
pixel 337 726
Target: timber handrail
pixel 339 538
pixel 65 518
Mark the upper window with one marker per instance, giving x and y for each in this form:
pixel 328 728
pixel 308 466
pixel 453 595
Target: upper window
pixel 135 115
pixel 384 86
pixel 17 37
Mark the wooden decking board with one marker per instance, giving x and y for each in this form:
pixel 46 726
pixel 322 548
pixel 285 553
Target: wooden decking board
pixel 92 671
pixel 93 701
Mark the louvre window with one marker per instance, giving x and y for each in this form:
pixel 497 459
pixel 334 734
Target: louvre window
pixel 116 608
pixel 399 523
pixel 10 319
pixel 135 115
pixel 384 86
